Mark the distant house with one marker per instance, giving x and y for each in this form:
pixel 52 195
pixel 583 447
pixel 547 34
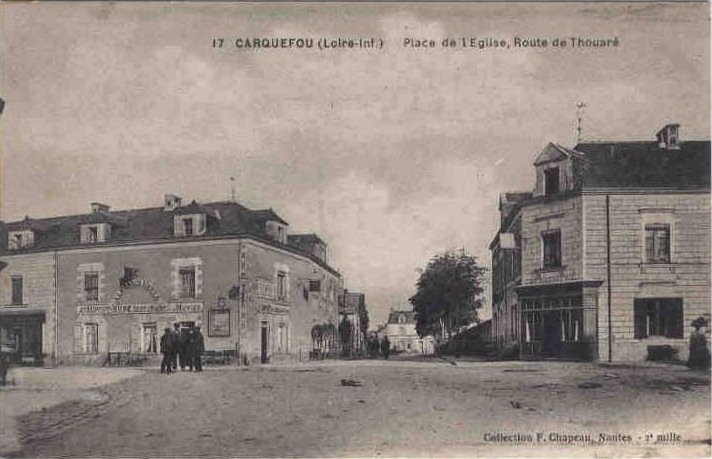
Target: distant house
pixel 609 255
pixel 401 333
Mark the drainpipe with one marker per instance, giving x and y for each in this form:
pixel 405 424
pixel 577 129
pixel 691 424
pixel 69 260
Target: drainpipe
pixel 608 275
pixel 55 356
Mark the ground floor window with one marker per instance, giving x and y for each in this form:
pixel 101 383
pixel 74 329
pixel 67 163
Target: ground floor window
pixel 149 338
pixel 659 317
pixel 282 338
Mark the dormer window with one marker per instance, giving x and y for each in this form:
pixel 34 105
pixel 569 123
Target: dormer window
pixel 95 233
pixel 669 137
pixel 189 225
pixel 20 239
pixel 551 181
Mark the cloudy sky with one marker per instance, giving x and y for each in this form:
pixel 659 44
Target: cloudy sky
pixel 392 155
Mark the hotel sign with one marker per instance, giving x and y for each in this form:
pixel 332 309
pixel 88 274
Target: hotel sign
pixel 140 308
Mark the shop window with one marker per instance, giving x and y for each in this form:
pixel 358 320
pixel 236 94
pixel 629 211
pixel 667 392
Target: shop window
pixel 657 243
pixel 551 242
pixel 91 287
pixel 187 282
pixel 149 338
pixel 17 290
pixel 659 317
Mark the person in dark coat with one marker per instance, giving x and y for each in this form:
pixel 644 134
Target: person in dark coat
pixel 174 336
pixel 183 359
pixel 198 345
pixel 386 347
pixel 699 354
pixel 167 349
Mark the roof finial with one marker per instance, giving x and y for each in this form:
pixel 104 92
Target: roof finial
pixel 579 120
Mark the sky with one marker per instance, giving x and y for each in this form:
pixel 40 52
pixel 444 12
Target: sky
pixel 391 155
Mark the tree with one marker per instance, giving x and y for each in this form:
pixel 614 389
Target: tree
pixel 448 293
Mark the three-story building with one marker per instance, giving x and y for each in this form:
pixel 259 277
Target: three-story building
pixel 610 253
pixel 77 288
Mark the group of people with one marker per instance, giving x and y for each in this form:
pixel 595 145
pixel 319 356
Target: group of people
pixel 182 347
pixel 378 348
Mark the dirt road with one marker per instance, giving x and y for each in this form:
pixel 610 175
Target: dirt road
pixel 392 409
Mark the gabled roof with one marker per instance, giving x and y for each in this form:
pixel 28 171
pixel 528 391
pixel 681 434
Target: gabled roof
pixel 554 152
pixel 645 165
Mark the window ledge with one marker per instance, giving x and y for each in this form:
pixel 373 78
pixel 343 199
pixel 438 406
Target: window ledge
pixel 647 266
pixel 551 269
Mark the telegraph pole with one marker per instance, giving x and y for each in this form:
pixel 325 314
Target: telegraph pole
pixel 579 120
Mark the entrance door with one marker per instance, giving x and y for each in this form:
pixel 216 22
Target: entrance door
pixel 550 339
pixel 26 336
pixel 264 340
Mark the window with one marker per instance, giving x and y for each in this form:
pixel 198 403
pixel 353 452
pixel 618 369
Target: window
pixel 149 338
pixel 129 275
pixel 91 338
pixel 92 234
pixel 551 181
pixel 282 338
pixel 657 243
pixel 314 286
pixel 401 319
pixel 187 226
pixel 659 317
pixel 552 249
pixel 187 282
pixel 17 290
pixel 281 285
pixel 91 287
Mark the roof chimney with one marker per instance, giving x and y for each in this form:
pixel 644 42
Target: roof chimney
pixel 171 202
pixel 99 207
pixel 669 137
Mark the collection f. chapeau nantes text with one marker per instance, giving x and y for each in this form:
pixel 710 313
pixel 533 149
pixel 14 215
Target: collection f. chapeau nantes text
pixel 582 438
pixel 376 43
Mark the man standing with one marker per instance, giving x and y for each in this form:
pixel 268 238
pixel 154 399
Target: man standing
pixel 386 347
pixel 175 337
pixel 198 347
pixel 167 349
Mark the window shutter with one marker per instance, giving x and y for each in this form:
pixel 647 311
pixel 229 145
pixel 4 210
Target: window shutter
pixel 649 246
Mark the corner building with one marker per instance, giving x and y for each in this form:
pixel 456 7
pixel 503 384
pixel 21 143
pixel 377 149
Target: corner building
pixel 74 289
pixel 608 258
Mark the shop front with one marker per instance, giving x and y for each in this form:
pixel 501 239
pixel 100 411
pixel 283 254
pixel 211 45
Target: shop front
pixel 21 334
pixel 558 321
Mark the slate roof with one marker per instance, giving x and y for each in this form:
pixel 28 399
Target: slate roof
pixel 645 165
pixel 409 317
pixel 152 224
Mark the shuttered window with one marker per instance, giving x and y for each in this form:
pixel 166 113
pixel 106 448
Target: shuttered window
pixel 17 290
pixel 187 280
pixel 91 287
pixel 657 243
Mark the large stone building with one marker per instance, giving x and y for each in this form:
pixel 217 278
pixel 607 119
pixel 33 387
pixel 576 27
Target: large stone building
pixel 609 256
pixel 75 288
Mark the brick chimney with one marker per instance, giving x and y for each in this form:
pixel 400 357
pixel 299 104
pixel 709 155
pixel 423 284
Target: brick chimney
pixel 172 202
pixel 99 207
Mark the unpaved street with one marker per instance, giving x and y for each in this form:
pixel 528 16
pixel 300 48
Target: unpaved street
pixel 402 408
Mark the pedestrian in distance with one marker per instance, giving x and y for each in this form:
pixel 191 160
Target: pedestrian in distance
pixel 198 348
pixel 167 351
pixel 386 347
pixel 699 354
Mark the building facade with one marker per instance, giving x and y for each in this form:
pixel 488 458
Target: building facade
pixel 354 313
pixel 609 256
pixel 403 336
pixel 74 289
